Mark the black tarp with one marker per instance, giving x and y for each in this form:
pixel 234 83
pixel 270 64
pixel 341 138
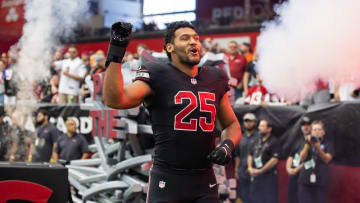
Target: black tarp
pixel 341 120
pixel 342 125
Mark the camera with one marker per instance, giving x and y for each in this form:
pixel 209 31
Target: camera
pixel 314 139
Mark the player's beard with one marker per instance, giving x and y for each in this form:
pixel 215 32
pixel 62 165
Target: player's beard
pixel 185 59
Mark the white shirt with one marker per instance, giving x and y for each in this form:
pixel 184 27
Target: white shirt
pixel 68 85
pixel 345 91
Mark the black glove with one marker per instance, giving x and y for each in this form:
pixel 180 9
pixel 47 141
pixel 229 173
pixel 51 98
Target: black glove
pixel 119 39
pixel 222 154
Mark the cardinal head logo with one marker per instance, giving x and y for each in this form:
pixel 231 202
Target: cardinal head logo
pixel 12 15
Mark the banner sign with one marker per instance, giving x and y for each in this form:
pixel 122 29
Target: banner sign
pixel 12 17
pixel 237 10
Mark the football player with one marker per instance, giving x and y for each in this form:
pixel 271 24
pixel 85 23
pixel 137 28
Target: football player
pixel 184 101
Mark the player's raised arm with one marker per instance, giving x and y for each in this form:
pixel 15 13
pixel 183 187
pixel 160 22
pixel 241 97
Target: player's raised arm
pixel 115 94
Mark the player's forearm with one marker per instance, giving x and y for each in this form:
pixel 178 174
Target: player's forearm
pixel 233 132
pixel 113 87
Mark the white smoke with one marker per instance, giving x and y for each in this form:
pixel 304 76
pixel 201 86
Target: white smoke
pixel 310 40
pixel 46 22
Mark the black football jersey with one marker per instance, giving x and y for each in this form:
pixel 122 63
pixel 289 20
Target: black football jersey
pixel 183 111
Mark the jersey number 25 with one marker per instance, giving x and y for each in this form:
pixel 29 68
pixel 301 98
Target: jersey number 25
pixel 204 97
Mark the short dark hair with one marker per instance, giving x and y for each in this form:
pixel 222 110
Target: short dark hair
pixel 44 112
pixel 170 32
pixel 268 123
pixel 248 45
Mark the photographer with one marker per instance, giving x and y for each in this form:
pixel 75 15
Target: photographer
pixel 293 164
pixel 314 176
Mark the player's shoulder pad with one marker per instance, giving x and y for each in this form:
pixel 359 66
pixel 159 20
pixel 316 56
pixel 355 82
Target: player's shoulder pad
pixel 149 69
pixel 153 67
pixel 218 72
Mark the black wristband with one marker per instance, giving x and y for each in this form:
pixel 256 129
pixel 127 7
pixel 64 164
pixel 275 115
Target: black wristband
pixel 115 54
pixel 229 144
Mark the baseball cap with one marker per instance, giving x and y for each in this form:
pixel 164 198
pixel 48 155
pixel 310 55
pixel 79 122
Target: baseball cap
pixel 249 116
pixel 305 120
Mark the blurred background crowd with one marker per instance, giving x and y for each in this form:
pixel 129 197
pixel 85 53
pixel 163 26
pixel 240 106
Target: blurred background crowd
pixel 71 70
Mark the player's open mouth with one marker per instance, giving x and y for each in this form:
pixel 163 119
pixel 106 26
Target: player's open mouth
pixel 194 51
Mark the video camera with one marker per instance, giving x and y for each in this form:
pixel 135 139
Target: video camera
pixel 314 139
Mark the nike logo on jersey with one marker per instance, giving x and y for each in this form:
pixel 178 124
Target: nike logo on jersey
pixel 212 185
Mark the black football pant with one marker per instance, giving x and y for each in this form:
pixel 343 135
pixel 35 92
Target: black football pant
pixel 165 186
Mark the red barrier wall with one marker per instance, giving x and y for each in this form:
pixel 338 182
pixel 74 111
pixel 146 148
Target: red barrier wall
pixel 156 44
pixel 344 184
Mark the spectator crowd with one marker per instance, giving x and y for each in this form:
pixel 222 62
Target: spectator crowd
pixel 70 80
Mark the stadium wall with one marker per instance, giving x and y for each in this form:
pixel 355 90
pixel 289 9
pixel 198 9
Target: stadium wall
pixel 155 41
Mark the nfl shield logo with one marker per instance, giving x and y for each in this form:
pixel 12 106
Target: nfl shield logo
pixel 161 184
pixel 193 81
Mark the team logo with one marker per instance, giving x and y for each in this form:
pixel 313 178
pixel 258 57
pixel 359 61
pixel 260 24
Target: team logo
pixel 161 184
pixel 12 15
pixel 193 81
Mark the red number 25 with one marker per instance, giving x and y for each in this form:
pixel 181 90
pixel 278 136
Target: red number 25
pixel 180 124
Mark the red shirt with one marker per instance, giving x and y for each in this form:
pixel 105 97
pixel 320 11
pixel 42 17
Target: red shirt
pixel 237 66
pixel 256 95
pixel 321 85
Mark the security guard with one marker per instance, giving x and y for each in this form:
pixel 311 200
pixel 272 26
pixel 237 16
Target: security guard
pixel 293 164
pixel 241 155
pixel 314 175
pixel 262 162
